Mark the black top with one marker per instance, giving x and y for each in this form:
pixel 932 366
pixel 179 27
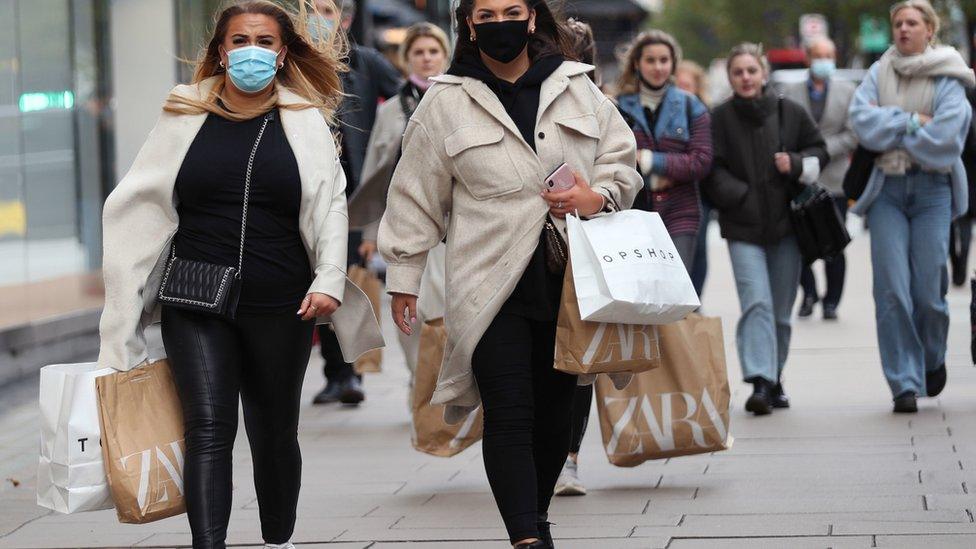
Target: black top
pixel 752 197
pixel 538 292
pixel 210 193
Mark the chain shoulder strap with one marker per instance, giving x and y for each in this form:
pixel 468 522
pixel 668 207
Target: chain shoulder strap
pixel 247 189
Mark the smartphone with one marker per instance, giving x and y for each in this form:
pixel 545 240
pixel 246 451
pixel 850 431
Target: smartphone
pixel 561 179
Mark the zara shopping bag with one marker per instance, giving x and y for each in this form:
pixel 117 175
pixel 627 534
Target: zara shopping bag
pixel 70 471
pixel 679 409
pixel 143 443
pixel 584 347
pixel 627 270
pixel 431 434
pixel 372 361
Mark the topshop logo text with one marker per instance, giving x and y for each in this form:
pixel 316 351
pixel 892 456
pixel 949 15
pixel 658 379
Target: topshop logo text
pixel 637 253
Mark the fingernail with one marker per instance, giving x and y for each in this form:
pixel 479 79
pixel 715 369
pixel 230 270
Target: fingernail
pixel 413 319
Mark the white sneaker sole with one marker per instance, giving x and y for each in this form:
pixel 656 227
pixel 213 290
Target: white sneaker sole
pixel 570 489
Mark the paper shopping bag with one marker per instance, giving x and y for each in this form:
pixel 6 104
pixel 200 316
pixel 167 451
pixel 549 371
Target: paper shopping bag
pixel 681 408
pixel 584 347
pixel 143 443
pixel 70 472
pixel 431 434
pixel 627 270
pixel 371 362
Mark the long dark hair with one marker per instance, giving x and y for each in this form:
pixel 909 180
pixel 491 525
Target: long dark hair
pixel 551 37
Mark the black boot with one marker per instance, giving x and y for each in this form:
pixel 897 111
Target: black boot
pixel 330 394
pixel 352 392
pixel 935 381
pixel 906 403
pixel 545 533
pixel 760 403
pixel 806 308
pixel 778 396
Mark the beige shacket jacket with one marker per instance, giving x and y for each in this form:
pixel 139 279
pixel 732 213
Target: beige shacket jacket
pixel 466 173
pixel 140 219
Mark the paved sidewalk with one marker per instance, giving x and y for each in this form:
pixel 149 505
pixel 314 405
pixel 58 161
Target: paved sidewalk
pixel 838 470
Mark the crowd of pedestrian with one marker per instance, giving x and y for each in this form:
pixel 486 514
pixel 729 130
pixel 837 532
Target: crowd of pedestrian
pixel 249 169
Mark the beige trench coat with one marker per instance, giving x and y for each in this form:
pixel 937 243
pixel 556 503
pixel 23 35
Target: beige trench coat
pixel 367 203
pixel 140 219
pixel 463 157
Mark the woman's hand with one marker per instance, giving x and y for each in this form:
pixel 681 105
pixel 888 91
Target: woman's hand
pixel 316 304
pixel 783 163
pixel 924 119
pixel 404 309
pixel 367 249
pixel 581 199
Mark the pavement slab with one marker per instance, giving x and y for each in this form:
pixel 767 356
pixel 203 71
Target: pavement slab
pixel 837 470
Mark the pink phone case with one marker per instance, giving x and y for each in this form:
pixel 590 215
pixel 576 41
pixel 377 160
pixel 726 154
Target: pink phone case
pixel 561 179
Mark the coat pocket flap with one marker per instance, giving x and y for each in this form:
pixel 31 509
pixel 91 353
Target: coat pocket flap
pixel 586 125
pixel 467 137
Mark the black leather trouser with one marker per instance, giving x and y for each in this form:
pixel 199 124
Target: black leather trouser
pixel 260 361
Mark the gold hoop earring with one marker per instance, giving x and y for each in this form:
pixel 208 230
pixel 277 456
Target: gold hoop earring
pixel 222 65
pixel 472 38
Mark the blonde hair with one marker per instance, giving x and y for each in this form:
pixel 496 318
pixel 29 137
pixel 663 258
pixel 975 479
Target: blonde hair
pixel 424 30
pixel 929 15
pixel 751 49
pixel 698 74
pixel 629 81
pixel 311 67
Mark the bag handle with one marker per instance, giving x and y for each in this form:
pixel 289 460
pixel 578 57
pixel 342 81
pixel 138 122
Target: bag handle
pixel 247 190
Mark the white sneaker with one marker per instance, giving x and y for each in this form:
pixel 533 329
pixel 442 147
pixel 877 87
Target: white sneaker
pixel 282 546
pixel 569 483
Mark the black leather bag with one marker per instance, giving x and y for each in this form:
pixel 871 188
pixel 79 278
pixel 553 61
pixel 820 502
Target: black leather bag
pixel 819 228
pixel 208 287
pixel 859 173
pixel 817 224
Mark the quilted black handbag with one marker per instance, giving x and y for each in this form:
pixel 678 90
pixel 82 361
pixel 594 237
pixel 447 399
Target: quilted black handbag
pixel 208 287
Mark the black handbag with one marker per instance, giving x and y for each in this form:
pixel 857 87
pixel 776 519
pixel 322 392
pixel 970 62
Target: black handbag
pixel 819 228
pixel 859 173
pixel 817 224
pixel 208 287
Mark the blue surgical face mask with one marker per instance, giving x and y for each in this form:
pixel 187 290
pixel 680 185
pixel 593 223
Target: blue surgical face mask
pixel 321 28
pixel 823 69
pixel 252 68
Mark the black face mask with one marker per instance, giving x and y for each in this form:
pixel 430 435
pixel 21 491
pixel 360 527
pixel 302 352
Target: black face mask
pixel 502 41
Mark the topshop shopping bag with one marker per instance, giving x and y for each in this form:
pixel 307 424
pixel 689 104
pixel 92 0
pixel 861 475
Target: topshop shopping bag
pixel 584 347
pixel 431 434
pixel 679 409
pixel 369 363
pixel 143 445
pixel 627 270
pixel 70 471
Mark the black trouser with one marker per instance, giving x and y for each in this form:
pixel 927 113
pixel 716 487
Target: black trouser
pixel 335 368
pixel 527 406
pixel 582 401
pixel 834 268
pixel 259 360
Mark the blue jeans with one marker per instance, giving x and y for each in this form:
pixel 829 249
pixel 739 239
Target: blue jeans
pixel 766 278
pixel 909 248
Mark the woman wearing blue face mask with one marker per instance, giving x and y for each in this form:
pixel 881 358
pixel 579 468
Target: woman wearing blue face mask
pixel 239 173
pixel 476 153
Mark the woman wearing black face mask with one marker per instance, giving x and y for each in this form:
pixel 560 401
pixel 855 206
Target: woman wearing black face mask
pixel 475 157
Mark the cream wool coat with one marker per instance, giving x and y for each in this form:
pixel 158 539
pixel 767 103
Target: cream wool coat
pixel 465 160
pixel 140 219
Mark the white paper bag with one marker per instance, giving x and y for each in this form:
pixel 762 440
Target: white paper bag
pixel 70 472
pixel 627 270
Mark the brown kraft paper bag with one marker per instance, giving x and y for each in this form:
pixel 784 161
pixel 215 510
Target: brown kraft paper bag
pixel 370 284
pixel 679 409
pixel 584 347
pixel 431 434
pixel 142 442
